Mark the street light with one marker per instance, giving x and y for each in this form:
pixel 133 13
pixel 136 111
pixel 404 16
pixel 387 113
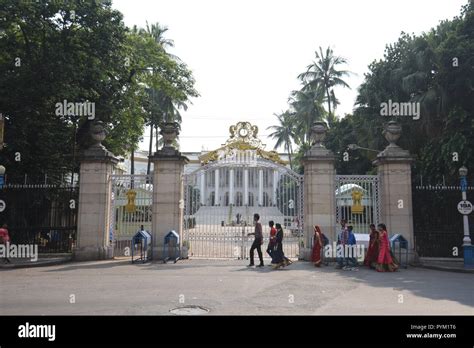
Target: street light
pixel 2 176
pixel 468 248
pixel 353 147
pixel 463 175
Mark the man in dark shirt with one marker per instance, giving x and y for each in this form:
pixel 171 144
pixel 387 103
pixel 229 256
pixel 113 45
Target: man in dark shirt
pixel 258 241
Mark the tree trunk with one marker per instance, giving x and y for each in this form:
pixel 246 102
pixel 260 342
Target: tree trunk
pixel 329 101
pixel 288 148
pixel 150 149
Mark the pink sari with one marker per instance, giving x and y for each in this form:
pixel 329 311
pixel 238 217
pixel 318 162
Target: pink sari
pixel 385 262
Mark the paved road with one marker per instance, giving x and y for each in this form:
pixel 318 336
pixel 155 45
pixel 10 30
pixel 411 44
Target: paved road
pixel 228 287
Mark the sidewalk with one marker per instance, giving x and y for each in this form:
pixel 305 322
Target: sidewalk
pixel 43 260
pixel 444 264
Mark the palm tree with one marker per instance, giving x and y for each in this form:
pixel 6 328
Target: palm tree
pixel 157 32
pixel 323 74
pixel 307 108
pixel 284 133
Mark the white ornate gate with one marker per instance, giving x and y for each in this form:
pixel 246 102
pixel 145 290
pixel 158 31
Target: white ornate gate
pixel 130 208
pixel 358 201
pixel 231 185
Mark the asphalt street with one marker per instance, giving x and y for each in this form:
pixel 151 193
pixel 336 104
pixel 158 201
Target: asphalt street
pixel 117 287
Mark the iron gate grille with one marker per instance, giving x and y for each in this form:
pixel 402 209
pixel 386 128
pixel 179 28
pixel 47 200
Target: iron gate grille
pixel 221 198
pixel 125 222
pixel 368 186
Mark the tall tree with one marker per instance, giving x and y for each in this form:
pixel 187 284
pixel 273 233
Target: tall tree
pixel 434 69
pixel 51 52
pixel 307 108
pixel 323 74
pixel 167 81
pixel 284 133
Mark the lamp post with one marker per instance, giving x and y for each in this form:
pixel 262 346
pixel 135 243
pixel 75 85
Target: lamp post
pixel 463 175
pixel 468 248
pixel 2 176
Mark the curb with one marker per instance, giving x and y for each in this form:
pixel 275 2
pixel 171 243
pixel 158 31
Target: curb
pixel 446 269
pixel 39 263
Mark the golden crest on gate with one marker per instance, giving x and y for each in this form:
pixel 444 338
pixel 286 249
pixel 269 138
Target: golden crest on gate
pixel 357 207
pixel 130 207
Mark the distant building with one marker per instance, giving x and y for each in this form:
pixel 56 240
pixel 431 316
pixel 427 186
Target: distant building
pixel 226 186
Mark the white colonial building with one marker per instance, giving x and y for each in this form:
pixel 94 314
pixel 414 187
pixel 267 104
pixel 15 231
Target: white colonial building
pixel 227 186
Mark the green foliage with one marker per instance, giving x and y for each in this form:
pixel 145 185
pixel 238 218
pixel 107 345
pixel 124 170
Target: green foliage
pixel 422 69
pixel 78 51
pixel 306 104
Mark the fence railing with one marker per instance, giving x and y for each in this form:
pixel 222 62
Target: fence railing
pixel 41 213
pixel 438 226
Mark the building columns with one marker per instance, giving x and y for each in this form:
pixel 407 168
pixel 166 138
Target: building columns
pixel 246 187
pixel 275 187
pixel 216 187
pixel 203 188
pixel 231 187
pixel 260 187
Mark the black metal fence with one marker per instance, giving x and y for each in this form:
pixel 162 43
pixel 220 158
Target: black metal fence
pixel 438 226
pixel 43 214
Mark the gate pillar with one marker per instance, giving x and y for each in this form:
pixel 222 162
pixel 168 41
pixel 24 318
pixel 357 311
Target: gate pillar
pixel 168 198
pixel 394 169
pixel 95 189
pixel 319 189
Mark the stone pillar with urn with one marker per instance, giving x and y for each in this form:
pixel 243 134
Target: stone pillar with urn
pixel 319 189
pixel 95 190
pixel 394 170
pixel 168 191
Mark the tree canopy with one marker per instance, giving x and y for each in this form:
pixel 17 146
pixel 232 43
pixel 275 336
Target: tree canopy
pixel 78 51
pixel 434 69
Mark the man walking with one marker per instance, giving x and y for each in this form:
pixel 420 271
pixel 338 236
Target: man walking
pixel 258 241
pixel 342 240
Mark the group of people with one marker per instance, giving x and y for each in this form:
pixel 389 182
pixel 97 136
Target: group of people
pixel 275 244
pixel 379 255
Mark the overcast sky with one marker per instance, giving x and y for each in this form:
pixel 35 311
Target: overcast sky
pixel 246 54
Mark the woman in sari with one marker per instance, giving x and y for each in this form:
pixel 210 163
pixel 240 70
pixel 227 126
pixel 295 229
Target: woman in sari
pixel 385 262
pixel 279 258
pixel 373 250
pixel 317 246
pixel 272 239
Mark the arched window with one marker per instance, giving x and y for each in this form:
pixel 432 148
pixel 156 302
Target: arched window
pixel 239 199
pixel 251 199
pixel 266 199
pixel 266 175
pixel 239 178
